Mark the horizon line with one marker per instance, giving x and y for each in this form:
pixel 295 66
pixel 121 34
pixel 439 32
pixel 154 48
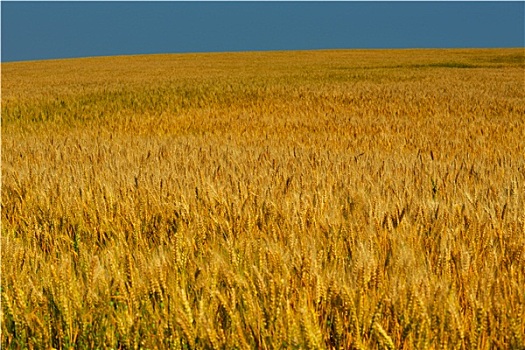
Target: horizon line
pixel 260 50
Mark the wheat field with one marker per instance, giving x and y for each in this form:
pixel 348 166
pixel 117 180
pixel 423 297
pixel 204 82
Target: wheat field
pixel 345 199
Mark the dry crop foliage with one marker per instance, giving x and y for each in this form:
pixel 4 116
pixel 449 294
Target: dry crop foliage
pixel 279 200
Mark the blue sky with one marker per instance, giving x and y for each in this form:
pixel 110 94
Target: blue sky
pixel 45 30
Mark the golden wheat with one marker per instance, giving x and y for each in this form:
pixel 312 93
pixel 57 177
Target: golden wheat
pixel 316 199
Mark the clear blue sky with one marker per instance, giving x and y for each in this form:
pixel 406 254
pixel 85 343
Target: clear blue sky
pixel 44 30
